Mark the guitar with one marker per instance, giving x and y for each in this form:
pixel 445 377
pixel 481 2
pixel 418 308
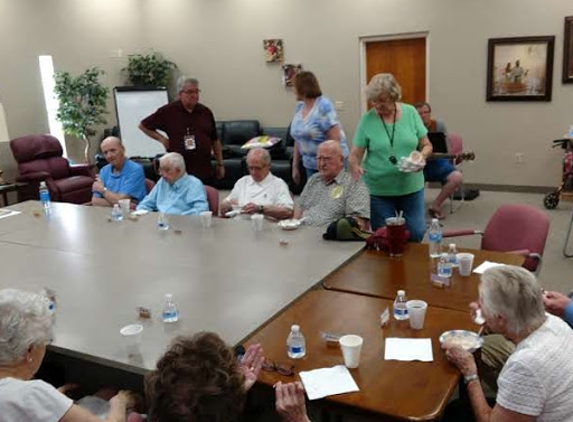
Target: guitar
pixel 456 158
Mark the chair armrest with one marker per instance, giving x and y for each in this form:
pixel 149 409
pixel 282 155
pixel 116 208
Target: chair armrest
pixel 523 252
pixel 34 176
pixel 82 170
pixel 461 232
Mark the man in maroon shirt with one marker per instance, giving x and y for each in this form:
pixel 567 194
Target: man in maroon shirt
pixel 191 131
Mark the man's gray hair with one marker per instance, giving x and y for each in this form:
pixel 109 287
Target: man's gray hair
pixel 183 80
pixel 383 85
pixel 265 155
pixel 174 160
pixel 25 320
pixel 514 293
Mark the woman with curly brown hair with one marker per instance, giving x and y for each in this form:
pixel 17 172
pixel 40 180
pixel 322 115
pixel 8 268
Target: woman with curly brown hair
pixel 199 379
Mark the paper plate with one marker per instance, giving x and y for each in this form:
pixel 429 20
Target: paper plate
pixel 289 224
pixel 468 340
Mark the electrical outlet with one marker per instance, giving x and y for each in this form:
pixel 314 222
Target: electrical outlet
pixel 339 105
pixel 519 157
pixel 116 54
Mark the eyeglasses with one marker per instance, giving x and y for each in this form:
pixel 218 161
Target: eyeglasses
pixel 256 167
pixel 283 369
pixel 191 91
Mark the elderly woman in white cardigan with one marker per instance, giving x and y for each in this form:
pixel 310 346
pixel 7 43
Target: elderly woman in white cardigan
pixel 536 382
pixel 25 331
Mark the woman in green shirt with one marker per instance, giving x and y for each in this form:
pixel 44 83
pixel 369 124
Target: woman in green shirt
pixel 389 131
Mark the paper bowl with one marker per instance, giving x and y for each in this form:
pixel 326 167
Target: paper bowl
pixel 289 224
pixel 467 340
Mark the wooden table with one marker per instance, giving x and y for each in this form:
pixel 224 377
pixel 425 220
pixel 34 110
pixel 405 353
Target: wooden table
pixel 413 391
pixel 374 273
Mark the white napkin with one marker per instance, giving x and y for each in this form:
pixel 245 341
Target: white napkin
pixel 8 213
pixel 408 349
pixel 323 382
pixel 139 212
pixel 486 265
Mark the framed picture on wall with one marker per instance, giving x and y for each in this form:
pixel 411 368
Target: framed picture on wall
pixel 289 72
pixel 568 51
pixel 520 69
pixel 273 50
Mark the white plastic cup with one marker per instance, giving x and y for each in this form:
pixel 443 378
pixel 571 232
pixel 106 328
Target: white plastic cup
pixel 257 222
pixel 206 219
pixel 132 338
pixel 351 346
pixel 417 313
pixel 465 263
pixel 124 204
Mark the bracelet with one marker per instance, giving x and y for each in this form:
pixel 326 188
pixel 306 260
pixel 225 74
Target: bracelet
pixel 470 378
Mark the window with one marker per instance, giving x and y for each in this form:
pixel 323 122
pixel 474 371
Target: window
pixel 48 84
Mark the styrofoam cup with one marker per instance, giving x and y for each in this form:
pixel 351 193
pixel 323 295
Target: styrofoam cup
pixel 132 337
pixel 206 219
pixel 417 313
pixel 465 263
pixel 351 346
pixel 124 204
pixel 257 222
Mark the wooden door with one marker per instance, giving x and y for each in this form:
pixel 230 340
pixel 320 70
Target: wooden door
pixel 405 59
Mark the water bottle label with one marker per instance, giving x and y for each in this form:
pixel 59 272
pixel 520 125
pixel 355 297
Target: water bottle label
pixel 169 315
pixel 44 196
pixel 400 312
pixel 435 237
pixel 294 349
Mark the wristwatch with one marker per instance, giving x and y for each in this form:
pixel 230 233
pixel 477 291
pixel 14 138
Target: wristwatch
pixel 470 378
pixel 261 209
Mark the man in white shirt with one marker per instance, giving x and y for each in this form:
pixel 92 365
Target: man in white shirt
pixel 261 192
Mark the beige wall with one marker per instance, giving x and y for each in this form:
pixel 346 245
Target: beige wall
pixel 220 42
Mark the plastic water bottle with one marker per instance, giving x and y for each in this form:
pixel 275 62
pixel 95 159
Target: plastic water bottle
pixel 296 345
pixel 44 195
pixel 400 310
pixel 170 312
pixel 444 266
pixel 453 255
pixel 435 238
pixel 116 213
pixel 163 221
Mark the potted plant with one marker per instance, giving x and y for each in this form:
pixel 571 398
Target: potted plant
pixel 82 103
pixel 149 69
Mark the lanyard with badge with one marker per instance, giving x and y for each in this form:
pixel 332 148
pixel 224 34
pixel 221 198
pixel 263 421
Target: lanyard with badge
pixel 189 141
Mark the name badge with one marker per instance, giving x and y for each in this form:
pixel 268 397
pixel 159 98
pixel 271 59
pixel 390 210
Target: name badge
pixel 336 192
pixel 189 141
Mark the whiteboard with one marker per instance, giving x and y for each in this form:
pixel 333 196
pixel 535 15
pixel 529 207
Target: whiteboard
pixel 4 137
pixel 132 105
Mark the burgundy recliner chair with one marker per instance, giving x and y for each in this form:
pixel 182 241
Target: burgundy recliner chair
pixel 40 158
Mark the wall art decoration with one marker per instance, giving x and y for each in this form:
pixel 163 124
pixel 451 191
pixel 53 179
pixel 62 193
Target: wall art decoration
pixel 568 51
pixel 520 69
pixel 289 72
pixel 273 50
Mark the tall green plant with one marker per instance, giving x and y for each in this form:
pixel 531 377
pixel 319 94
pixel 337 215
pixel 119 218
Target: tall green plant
pixel 82 104
pixel 149 69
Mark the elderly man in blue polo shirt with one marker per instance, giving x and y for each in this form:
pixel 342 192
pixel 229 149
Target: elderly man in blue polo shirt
pixel 121 178
pixel 176 192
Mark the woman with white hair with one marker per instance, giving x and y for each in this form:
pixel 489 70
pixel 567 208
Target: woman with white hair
pixel 389 131
pixel 25 330
pixel 537 379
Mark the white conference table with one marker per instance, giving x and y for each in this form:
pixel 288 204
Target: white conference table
pixel 227 279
